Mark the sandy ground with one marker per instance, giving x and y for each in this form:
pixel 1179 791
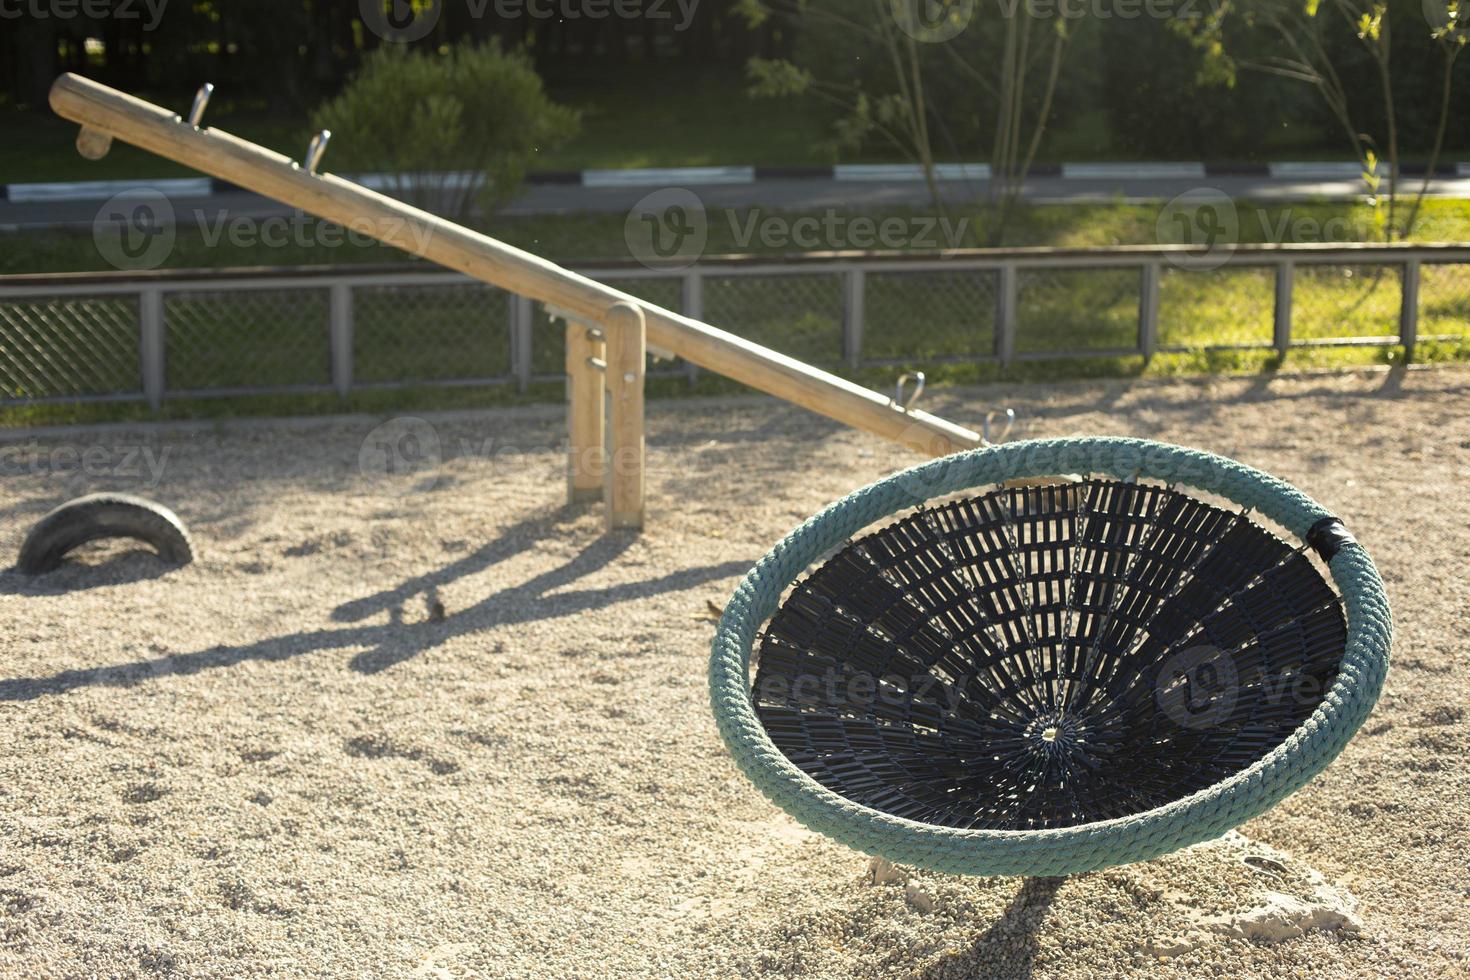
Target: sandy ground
pixel 282 761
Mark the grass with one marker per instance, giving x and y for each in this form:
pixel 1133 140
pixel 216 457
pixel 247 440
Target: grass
pixel 588 236
pixel 940 322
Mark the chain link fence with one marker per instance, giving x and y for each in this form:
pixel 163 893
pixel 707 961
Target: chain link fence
pixel 1192 314
pixel 406 334
pixel 929 317
pixel 221 340
pixel 1337 302
pixel 1061 312
pixel 800 315
pixel 59 347
pixel 149 337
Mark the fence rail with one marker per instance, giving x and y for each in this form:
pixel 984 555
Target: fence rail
pixel 198 333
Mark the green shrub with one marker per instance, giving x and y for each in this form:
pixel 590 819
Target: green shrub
pixel 452 128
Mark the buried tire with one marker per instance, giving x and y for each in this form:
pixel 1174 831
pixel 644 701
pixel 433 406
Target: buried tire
pixel 100 516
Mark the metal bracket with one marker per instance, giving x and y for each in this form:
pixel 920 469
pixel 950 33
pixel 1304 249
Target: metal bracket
pixel 899 401
pixel 594 330
pixel 315 151
pixel 985 426
pixel 201 101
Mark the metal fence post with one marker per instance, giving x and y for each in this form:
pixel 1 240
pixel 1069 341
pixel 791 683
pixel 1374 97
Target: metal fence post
pixel 520 340
pixel 692 303
pixel 339 305
pixel 1005 315
pixel 1148 310
pixel 150 338
pixel 852 317
pixel 1281 330
pixel 1409 310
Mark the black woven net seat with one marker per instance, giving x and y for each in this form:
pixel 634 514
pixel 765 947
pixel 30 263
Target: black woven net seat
pixel 1047 656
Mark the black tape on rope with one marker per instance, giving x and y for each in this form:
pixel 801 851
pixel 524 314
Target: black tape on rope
pixel 1329 536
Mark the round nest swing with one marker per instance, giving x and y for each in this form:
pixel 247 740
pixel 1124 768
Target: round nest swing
pixel 1053 676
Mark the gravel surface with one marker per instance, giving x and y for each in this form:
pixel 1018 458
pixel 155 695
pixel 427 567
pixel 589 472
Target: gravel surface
pixel 407 715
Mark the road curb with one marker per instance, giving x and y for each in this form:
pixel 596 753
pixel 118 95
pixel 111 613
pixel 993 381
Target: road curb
pixel 100 190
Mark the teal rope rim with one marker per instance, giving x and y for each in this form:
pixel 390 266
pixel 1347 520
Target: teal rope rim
pixel 1138 837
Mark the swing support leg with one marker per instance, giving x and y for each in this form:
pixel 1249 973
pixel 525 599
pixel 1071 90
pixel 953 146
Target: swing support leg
pixel 586 361
pixel 627 346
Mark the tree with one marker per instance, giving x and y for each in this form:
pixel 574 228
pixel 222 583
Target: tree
pixel 452 129
pixel 1306 51
pixel 899 78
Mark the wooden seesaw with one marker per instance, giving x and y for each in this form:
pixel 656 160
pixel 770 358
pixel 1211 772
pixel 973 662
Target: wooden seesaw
pixel 608 331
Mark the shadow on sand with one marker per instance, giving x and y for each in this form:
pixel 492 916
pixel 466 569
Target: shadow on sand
pixel 1008 947
pixel 395 642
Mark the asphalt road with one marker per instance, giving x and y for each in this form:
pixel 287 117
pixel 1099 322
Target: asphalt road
pixel 805 194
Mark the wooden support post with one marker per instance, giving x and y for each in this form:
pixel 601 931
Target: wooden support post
pixel 585 413
pixel 626 354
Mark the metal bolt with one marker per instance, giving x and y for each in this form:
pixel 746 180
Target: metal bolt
pixel 630 377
